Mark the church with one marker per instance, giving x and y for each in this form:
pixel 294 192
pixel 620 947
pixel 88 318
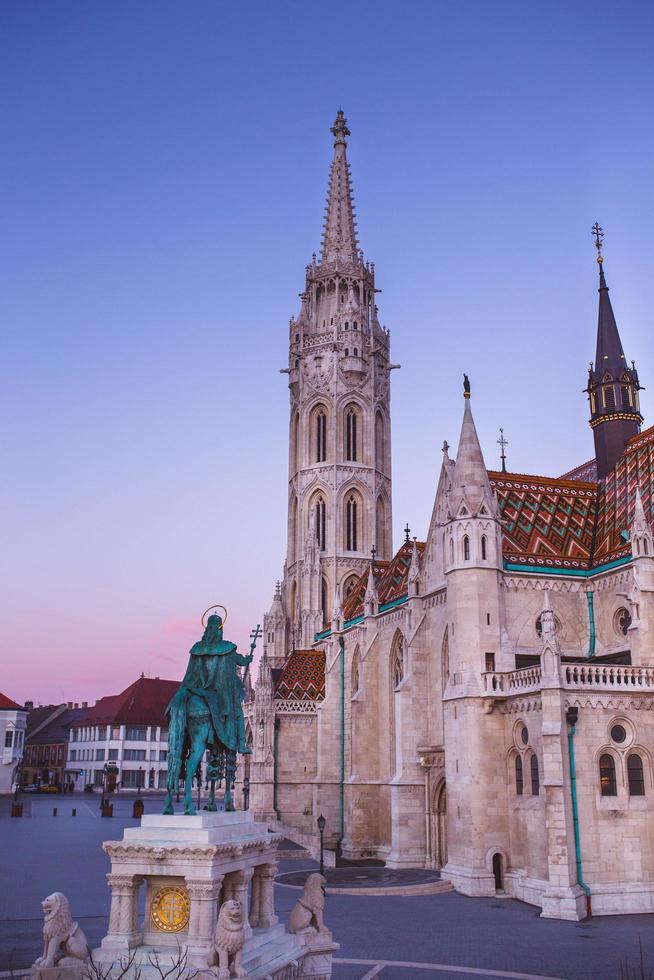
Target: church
pixel 480 701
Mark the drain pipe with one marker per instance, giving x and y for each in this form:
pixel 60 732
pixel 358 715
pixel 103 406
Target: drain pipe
pixel 591 623
pixel 341 799
pixel 275 747
pixel 571 716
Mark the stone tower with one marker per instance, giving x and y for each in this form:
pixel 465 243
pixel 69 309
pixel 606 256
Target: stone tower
pixel 339 492
pixel 612 386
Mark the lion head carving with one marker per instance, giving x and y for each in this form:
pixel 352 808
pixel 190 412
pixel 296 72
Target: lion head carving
pixel 230 928
pixel 307 913
pixel 58 920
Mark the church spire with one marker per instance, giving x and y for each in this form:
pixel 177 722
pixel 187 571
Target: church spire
pixel 339 240
pixel 470 477
pixel 612 386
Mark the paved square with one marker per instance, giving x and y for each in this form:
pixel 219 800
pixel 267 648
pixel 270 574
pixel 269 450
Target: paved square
pixel 394 938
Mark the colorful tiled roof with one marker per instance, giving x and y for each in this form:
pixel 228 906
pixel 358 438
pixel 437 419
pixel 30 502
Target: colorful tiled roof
pixel 391 578
pixel 617 496
pixel 142 703
pixel 587 472
pixel 6 704
pixel 302 677
pixel 545 520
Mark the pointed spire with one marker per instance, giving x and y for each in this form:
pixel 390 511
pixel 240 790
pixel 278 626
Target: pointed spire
pixel 339 242
pixel 414 570
pixel 641 537
pixel 337 615
pixel 612 385
pixel 470 478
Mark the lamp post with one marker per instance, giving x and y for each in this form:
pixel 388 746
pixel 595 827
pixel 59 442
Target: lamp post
pixel 104 777
pixel 321 827
pixel 246 793
pixel 138 784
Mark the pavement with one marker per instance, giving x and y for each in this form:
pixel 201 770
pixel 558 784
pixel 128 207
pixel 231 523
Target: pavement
pixel 393 937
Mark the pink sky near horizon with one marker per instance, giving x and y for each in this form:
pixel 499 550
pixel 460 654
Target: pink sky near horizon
pixel 164 170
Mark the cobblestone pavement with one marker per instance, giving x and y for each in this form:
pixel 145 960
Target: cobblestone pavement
pixel 390 937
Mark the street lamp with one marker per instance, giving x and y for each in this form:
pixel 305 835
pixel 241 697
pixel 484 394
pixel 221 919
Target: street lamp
pixel 246 793
pixel 138 785
pixel 321 827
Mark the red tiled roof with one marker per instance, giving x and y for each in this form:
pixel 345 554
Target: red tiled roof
pixel 6 704
pixel 142 703
pixel 391 580
pixel 302 678
pixel 617 495
pixel 585 471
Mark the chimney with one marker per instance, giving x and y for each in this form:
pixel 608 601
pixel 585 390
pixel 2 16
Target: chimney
pixel 69 705
pixel 85 704
pixel 29 705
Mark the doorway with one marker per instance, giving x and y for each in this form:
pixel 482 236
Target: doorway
pixel 498 872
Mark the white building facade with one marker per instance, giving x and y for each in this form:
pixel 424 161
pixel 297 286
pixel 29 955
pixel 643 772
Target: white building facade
pixel 13 721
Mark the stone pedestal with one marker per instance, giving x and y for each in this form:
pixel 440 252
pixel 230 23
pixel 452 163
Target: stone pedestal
pixel 188 867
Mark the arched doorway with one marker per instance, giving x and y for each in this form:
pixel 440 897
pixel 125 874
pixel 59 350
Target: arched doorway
pixel 498 872
pixel 438 826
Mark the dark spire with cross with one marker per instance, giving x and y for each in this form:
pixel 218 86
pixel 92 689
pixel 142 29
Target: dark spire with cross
pixel 407 533
pixel 502 443
pixel 612 386
pixel 373 553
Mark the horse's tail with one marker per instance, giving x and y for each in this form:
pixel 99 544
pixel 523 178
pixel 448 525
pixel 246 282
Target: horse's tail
pixel 176 725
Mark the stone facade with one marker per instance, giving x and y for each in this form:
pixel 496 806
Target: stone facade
pixel 13 721
pixel 488 694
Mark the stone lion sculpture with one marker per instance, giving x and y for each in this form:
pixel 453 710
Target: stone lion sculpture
pixel 307 913
pixel 228 940
pixel 64 943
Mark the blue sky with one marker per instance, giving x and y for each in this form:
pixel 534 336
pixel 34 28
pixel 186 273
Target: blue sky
pixel 163 176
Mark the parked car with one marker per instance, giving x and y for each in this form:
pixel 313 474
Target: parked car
pixel 33 788
pixel 49 788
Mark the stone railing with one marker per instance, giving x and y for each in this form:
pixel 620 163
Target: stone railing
pixel 513 681
pixel 608 676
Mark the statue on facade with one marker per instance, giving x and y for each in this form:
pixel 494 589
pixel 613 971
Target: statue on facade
pixel 207 713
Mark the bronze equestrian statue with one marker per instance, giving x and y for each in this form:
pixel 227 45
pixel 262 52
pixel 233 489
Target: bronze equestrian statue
pixel 207 713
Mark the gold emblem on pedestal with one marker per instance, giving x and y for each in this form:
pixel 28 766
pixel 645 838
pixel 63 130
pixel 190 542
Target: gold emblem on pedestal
pixel 171 908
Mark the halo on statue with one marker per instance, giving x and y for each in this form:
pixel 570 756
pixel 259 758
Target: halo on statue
pixel 215 607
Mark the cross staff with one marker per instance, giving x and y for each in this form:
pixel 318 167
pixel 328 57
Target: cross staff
pixel 254 636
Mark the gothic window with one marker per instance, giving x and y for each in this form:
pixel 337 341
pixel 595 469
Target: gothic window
pixel 483 547
pixel 356 351
pixel 445 658
pixel 608 783
pixel 351 434
pixel 295 428
pixel 382 537
pixel 351 523
pixel 321 436
pixel 323 601
pixel 535 777
pixel 466 548
pixel 380 447
pixel 622 621
pixel 609 397
pixel 635 775
pixel 626 398
pixel 451 552
pixel 320 521
pixel 519 781
pixel 397 662
pixel 348 586
pixel 292 530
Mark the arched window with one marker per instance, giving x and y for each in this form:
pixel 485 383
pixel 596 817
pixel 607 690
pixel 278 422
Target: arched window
pixel 320 521
pixel 351 523
pixel 295 428
pixel 483 547
pixel 608 784
pixel 445 658
pixel 396 677
pixel 348 585
pixel 635 775
pixel 323 601
pixel 451 551
pixel 320 429
pixel 535 776
pixel 466 548
pixel 382 530
pixel 351 434
pixel 519 780
pixel 292 530
pixel 380 442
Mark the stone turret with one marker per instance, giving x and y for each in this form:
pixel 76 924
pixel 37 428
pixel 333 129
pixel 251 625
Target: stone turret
pixel 274 631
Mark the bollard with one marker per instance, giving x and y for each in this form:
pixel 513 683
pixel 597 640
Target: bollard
pixel 54 811
pixel 137 809
pixel 74 813
pixel 108 810
pixel 16 809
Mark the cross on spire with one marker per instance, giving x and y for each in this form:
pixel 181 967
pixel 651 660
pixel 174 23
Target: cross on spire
pixel 407 533
pixel 596 230
pixel 373 552
pixel 502 442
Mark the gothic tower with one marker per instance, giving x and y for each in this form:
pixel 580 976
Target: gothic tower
pixel 612 386
pixel 339 494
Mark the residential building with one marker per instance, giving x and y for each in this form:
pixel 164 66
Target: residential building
pixel 13 718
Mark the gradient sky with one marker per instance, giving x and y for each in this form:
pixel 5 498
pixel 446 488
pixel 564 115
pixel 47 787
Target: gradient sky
pixel 162 179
